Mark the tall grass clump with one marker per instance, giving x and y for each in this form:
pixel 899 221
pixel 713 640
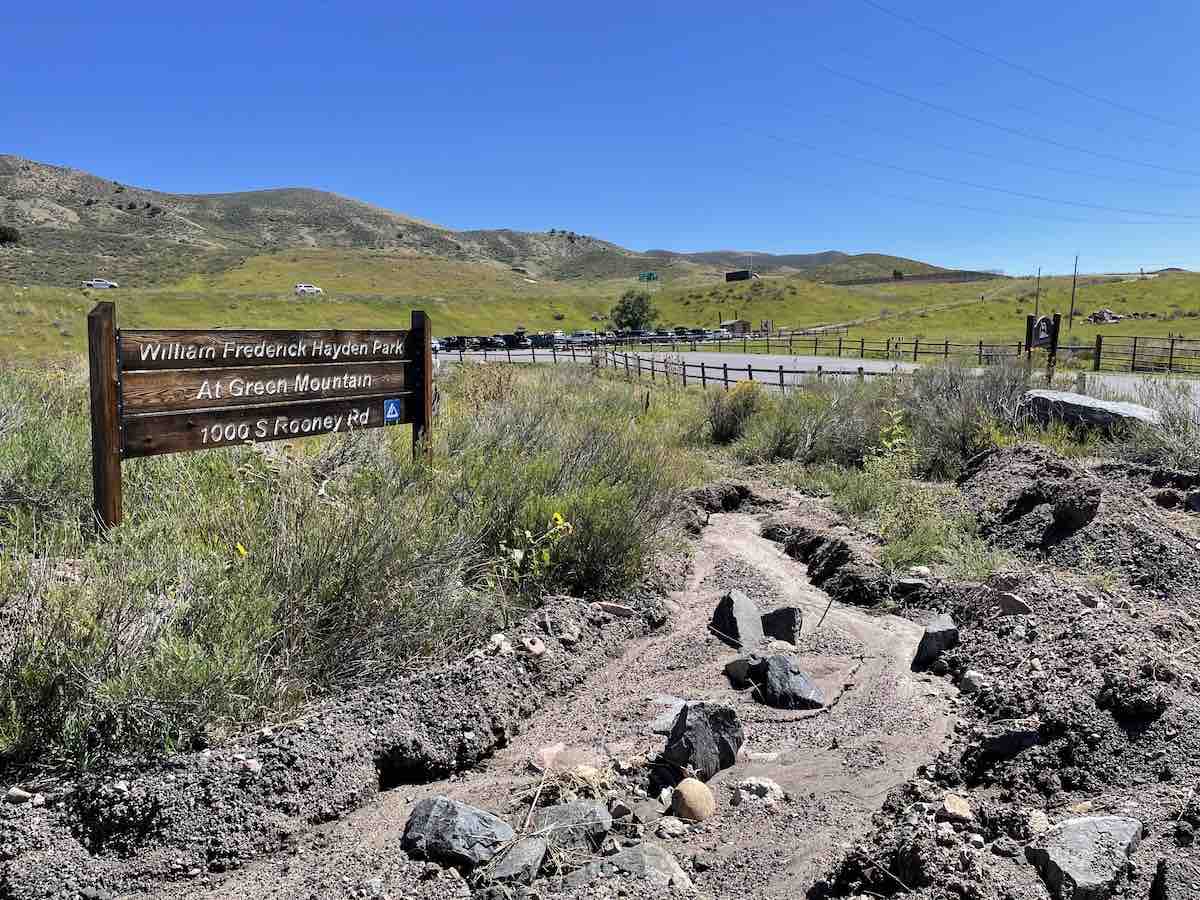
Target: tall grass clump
pixel 726 413
pixel 250 580
pixel 1175 441
pixel 817 422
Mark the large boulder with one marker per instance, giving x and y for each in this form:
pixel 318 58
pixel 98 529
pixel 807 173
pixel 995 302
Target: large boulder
pixel 780 682
pixel 645 861
pixel 1080 859
pixel 579 825
pixel 736 621
pixel 706 739
pixel 1084 411
pixel 446 831
pixel 940 635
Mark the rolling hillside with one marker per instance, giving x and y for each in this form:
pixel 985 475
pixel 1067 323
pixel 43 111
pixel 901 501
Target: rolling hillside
pixel 75 225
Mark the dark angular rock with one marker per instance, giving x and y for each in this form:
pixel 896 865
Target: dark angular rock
pixel 736 621
pixel 738 670
pixel 706 739
pixel 1192 502
pixel 940 635
pixel 645 861
pixel 446 831
pixel 580 825
pixel 779 682
pixel 783 624
pixel 1010 739
pixel 1080 859
pixel 520 862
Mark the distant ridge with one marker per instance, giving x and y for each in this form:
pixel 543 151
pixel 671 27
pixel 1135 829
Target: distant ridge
pixel 75 225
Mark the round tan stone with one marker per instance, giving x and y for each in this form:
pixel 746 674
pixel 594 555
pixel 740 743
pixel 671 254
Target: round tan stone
pixel 693 800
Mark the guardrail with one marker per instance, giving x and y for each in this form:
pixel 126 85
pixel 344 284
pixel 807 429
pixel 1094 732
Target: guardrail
pixel 1129 353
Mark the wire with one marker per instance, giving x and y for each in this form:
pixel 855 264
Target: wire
pixel 1028 71
pixel 983 187
pixel 1005 128
pixel 1016 214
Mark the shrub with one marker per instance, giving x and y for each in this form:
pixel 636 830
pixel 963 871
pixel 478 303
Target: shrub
pixel 1175 441
pixel 727 413
pixel 818 422
pixel 247 581
pixel 634 311
pixel 9 235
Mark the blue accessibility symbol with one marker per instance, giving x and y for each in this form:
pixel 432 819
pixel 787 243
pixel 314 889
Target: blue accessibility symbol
pixel 391 411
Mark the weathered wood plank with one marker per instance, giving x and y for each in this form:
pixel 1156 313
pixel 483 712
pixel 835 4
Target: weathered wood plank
pixel 420 348
pixel 148 350
pixel 149 435
pixel 163 391
pixel 106 432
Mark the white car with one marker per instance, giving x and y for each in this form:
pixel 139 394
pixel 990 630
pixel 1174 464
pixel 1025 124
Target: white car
pixel 100 283
pixel 303 289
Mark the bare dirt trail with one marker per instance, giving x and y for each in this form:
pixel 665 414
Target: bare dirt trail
pixel 836 764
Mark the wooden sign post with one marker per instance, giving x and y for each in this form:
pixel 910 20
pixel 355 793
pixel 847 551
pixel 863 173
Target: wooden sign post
pixel 155 392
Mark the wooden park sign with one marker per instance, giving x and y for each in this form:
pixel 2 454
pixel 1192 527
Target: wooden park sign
pixel 156 392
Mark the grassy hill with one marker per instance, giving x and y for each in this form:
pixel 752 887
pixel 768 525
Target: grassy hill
pixel 831 265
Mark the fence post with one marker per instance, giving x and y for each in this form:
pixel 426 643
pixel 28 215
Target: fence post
pixel 862 348
pixel 860 373
pixel 981 352
pixel 703 375
pixel 1099 351
pixel 744 339
pixel 916 344
pixel 887 352
pixel 653 368
pixel 508 353
pixel 790 343
pixel 420 340
pixel 683 369
pixel 781 378
pixel 725 374
pixel 533 352
pixel 1171 356
pixel 626 366
pixel 572 353
pixel 819 370
pixel 485 354
pixel 554 353
pixel 638 357
pixel 946 354
pixel 839 345
pixel 1133 356
pixel 815 346
pixel 750 371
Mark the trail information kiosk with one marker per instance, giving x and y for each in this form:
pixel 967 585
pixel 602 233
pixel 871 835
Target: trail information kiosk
pixel 156 392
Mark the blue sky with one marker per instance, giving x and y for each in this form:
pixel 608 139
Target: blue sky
pixel 682 126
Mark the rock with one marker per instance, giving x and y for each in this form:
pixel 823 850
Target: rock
pixel 909 588
pixel 1006 846
pixel 757 790
pixel 783 624
pixel 17 795
pixel 1012 604
pixel 955 808
pixel 619 809
pixel 1010 738
pixel 723 496
pixel 618 610
pixel 580 825
pixel 39 800
pixel 499 645
pixel 649 862
pixel 780 683
pixel 665 720
pixel 1192 502
pixel 544 758
pixel 705 739
pixel 1080 859
pixel 736 621
pixel 1087 412
pixel 976 841
pixel 940 635
pixel 1167 498
pixel 920 572
pixel 693 801
pixel 448 832
pixel 519 862
pixel 1006 582
pixel 534 646
pixel 646 812
pixel 738 670
pixel 671 827
pixel 972 682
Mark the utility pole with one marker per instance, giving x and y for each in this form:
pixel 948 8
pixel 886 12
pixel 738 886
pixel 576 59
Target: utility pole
pixel 1037 296
pixel 1075 275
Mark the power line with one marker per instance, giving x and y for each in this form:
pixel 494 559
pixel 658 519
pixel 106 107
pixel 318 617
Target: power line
pixel 1010 160
pixel 1005 128
pixel 1013 214
pixel 984 187
pixel 1032 73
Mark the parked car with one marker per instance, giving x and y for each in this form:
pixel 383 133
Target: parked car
pixel 99 283
pixel 304 289
pixel 435 345
pixel 696 334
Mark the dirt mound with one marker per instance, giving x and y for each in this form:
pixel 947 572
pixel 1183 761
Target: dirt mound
pixel 1099 519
